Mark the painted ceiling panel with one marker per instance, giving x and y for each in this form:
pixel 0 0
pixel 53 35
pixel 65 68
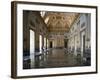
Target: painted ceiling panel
pixel 59 20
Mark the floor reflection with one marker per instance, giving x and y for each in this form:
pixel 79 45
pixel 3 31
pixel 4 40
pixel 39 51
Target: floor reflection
pixel 56 58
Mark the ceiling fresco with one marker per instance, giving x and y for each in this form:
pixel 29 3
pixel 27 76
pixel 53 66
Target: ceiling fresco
pixel 59 21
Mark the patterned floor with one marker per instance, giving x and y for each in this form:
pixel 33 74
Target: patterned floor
pixel 58 58
pixel 55 58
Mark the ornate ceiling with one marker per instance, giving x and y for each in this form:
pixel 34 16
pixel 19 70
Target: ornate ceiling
pixel 59 22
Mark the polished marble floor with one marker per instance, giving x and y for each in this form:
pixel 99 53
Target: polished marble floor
pixel 57 58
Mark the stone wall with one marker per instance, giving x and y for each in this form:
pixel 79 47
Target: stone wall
pixel 81 27
pixel 32 20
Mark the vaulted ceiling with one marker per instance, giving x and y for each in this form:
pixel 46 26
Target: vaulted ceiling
pixel 59 21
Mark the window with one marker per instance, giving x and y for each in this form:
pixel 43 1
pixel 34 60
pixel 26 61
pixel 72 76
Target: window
pixel 83 24
pixel 40 45
pixel 78 24
pixel 32 41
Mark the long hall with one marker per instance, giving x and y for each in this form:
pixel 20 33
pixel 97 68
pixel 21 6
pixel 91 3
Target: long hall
pixel 56 39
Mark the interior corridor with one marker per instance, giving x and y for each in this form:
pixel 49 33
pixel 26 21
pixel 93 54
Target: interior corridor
pixel 56 39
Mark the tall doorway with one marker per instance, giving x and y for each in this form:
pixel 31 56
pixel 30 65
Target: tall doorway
pixel 65 43
pixel 83 44
pixel 50 44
